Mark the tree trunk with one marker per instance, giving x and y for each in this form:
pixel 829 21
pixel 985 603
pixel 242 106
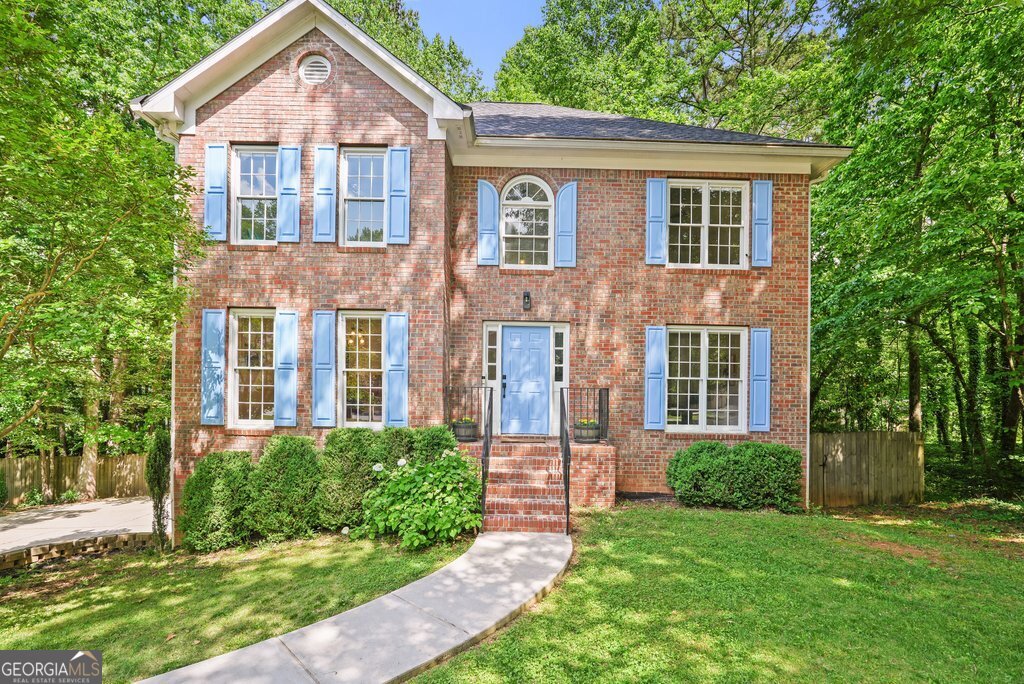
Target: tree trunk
pixel 913 377
pixel 90 443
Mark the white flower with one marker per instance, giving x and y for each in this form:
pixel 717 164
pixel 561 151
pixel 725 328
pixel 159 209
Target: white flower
pixel 377 467
pixel 345 530
pixel 401 462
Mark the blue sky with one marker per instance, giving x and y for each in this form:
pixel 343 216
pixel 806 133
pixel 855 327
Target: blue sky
pixel 484 29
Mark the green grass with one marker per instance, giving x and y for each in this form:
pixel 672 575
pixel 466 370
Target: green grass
pixel 149 614
pixel 660 594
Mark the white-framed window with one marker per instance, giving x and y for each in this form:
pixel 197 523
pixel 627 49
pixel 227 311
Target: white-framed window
pixel 363 197
pixel 361 348
pixel 255 195
pixel 707 379
pixel 708 224
pixel 526 223
pixel 251 362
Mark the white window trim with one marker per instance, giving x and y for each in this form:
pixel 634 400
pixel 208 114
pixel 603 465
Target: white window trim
pixel 707 185
pixel 339 335
pixel 232 352
pixel 551 223
pixel 702 427
pixel 343 195
pixel 556 387
pixel 236 213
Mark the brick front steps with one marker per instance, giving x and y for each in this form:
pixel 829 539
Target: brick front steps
pixel 525 490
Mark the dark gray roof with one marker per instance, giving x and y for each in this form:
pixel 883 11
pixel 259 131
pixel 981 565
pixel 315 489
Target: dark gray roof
pixel 533 120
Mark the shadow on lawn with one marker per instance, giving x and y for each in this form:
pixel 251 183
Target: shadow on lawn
pixel 149 614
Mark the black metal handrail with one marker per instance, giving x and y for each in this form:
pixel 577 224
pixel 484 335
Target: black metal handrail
pixel 588 404
pixel 485 453
pixel 466 401
pixel 563 439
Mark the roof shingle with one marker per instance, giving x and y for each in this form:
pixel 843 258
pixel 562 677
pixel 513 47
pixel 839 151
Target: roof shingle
pixel 534 120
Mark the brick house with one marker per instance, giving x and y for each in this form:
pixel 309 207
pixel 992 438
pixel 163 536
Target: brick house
pixel 381 255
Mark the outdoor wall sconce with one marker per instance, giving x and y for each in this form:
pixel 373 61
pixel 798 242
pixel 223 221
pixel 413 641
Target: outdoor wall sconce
pixel 527 303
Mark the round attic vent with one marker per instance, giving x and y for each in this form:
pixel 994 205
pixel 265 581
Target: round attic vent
pixel 314 69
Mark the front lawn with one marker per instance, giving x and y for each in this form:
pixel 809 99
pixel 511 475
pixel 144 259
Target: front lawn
pixel 659 593
pixel 149 614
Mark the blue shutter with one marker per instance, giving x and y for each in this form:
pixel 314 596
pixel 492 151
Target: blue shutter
pixel 761 251
pixel 396 369
pixel 324 389
pixel 289 170
pixel 212 380
pixel 487 224
pixel 325 183
pixel 760 379
pixel 654 378
pixel 215 193
pixel 657 235
pixel 565 225
pixel 286 373
pixel 398 196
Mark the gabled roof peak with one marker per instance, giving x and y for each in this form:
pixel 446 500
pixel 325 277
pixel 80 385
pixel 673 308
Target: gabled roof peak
pixel 172 108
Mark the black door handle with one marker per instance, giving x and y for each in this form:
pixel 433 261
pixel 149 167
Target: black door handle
pixel 503 385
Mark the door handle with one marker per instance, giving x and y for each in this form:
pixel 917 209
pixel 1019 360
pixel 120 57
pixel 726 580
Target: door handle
pixel 503 385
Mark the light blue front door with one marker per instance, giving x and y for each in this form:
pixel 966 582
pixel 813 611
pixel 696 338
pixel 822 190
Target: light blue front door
pixel 526 371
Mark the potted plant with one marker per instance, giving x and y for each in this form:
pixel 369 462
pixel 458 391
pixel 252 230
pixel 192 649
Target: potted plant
pixel 587 431
pixel 465 429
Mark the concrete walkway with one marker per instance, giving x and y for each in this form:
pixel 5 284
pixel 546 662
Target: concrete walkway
pixel 67 522
pixel 403 633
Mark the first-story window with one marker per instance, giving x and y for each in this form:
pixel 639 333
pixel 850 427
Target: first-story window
pixel 362 362
pixel 363 197
pixel 252 372
pixel 707 371
pixel 255 195
pixel 707 223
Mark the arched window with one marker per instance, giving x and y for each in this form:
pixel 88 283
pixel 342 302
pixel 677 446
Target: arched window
pixel 526 223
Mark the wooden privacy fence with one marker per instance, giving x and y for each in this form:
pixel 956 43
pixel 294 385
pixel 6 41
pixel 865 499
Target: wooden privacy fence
pixel 115 476
pixel 861 468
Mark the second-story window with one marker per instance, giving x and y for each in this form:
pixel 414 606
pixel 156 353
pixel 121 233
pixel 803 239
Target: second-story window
pixel 256 195
pixel 526 224
pixel 363 192
pixel 707 224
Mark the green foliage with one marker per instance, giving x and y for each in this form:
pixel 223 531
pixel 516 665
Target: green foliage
pixel 721 63
pixel 215 501
pixel 430 443
pixel 3 491
pixel 158 480
pixel 34 497
pixel 392 444
pixel 283 486
pixel 68 496
pixel 424 502
pixel 345 464
pixel 750 475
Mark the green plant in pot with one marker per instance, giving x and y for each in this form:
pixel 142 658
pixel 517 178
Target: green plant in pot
pixel 465 429
pixel 587 431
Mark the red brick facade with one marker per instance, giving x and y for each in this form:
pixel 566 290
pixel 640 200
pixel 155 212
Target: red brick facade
pixel 607 299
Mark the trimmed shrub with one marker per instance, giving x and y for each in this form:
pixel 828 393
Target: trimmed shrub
pixel 392 444
pixel 158 480
pixel 346 475
pixel 750 475
pixel 424 502
pixel 283 489
pixel 213 505
pixel 430 443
